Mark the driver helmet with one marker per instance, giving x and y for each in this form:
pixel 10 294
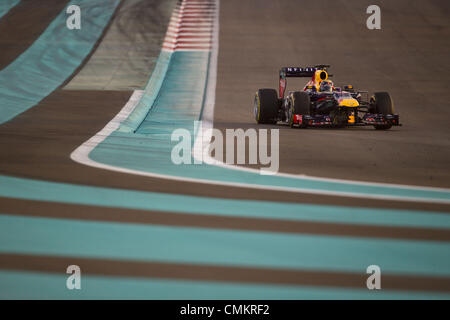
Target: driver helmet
pixel 326 86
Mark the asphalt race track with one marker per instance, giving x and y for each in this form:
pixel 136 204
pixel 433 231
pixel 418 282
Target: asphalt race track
pixel 165 232
pixel 407 57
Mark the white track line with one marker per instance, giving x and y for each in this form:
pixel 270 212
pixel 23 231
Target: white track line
pixel 81 154
pixel 191 30
pixel 189 34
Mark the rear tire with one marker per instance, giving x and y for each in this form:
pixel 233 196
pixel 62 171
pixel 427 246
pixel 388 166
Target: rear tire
pixel 300 103
pixel 266 105
pixel 382 104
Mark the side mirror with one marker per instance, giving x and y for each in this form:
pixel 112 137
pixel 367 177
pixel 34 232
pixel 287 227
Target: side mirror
pixel 349 88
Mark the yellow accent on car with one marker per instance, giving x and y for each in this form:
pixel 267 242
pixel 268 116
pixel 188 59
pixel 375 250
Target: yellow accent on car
pixel 348 103
pixel 319 76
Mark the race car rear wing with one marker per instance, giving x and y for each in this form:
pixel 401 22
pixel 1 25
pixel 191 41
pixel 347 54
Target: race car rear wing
pixel 302 72
pixel 298 72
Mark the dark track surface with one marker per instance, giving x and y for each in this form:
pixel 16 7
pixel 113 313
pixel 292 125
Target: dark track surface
pixel 37 144
pixel 39 141
pixel 23 24
pixel 408 57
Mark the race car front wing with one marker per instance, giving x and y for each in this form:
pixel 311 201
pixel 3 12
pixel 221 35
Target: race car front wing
pixel 369 119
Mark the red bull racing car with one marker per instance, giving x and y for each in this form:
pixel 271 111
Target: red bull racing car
pixel 320 103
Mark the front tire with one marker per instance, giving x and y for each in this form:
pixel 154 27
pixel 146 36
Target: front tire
pixel 266 106
pixel 382 103
pixel 300 103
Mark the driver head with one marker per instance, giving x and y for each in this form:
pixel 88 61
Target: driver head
pixel 326 86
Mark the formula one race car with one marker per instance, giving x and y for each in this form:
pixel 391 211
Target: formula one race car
pixel 322 104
